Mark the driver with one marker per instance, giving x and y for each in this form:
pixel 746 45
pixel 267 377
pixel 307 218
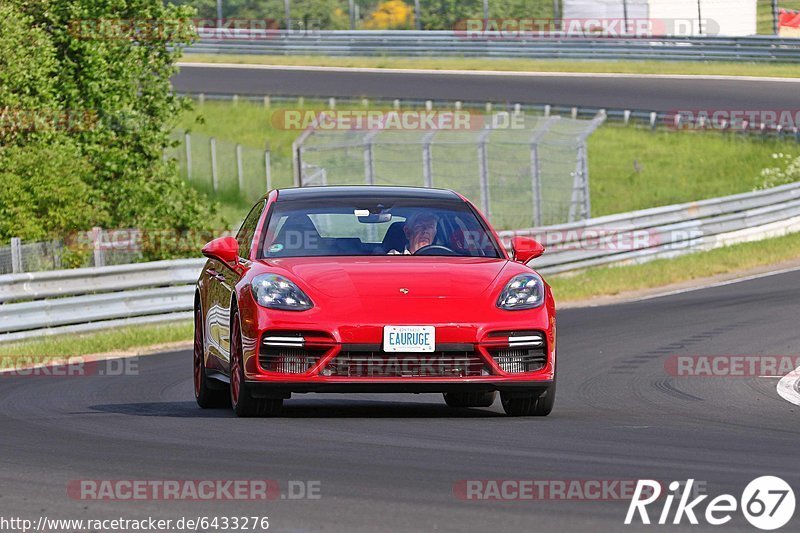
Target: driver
pixel 420 231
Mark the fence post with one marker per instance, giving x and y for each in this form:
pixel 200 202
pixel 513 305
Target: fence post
pixel 297 157
pixel 427 159
pixel 99 254
pixel 369 158
pixel 187 139
pixel 56 246
pixel 536 170
pixel 483 169
pixel 16 255
pixel 214 177
pixel 268 168
pixel 775 14
pixel 239 168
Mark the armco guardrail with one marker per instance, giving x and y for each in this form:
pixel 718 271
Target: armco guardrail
pixel 666 231
pixel 55 302
pixel 454 43
pixel 82 299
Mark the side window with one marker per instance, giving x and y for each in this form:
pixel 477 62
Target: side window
pixel 245 235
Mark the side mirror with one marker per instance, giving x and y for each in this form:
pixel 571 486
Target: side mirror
pixel 526 248
pixel 226 249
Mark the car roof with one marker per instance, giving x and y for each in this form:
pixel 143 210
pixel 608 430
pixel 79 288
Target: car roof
pixel 365 191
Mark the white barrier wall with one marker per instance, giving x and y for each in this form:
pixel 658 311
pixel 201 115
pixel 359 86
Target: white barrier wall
pixel 690 17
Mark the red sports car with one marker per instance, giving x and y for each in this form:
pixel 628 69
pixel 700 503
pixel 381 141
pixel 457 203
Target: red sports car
pixel 372 289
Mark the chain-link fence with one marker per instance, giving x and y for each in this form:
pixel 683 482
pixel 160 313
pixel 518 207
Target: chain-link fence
pixel 83 249
pixel 223 168
pixel 519 177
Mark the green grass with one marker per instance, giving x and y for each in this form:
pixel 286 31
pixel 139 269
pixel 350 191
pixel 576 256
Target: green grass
pixel 120 339
pixel 716 68
pixel 635 168
pixel 630 167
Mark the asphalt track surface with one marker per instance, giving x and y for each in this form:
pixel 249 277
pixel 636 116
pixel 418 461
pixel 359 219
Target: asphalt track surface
pixel 623 92
pixel 389 462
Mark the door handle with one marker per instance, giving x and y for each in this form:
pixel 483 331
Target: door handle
pixel 214 274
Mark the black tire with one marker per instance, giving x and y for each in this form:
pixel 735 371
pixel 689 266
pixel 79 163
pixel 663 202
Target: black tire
pixel 244 404
pixel 208 394
pixel 470 399
pixel 529 405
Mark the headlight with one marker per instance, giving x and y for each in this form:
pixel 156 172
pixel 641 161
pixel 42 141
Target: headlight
pixel 277 292
pixel 524 291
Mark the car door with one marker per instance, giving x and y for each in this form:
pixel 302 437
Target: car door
pixel 228 278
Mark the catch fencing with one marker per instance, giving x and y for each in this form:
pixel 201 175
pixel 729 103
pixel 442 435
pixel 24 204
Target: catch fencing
pixel 219 167
pixel 532 175
pixel 94 248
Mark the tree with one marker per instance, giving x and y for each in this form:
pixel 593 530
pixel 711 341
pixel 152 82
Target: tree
pixel 107 64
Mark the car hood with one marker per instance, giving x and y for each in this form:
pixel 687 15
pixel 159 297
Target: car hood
pixel 391 276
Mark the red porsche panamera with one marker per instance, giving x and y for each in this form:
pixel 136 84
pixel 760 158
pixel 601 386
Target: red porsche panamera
pixel 372 289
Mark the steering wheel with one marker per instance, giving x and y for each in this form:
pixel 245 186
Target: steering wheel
pixel 435 249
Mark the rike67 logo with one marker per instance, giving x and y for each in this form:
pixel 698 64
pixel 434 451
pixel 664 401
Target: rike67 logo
pixel 767 503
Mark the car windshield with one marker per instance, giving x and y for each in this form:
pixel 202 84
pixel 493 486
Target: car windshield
pixel 358 226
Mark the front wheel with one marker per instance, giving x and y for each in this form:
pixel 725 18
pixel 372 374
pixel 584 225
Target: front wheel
pixel 243 402
pixel 207 394
pixel 529 405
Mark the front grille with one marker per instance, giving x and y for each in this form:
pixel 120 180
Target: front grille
pixel 379 364
pixel 515 360
pixel 288 360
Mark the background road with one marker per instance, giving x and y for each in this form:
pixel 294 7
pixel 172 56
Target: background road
pixel 389 462
pixel 588 90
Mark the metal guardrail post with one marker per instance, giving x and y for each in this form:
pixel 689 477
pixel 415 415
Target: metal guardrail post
pixel 16 255
pixel 214 176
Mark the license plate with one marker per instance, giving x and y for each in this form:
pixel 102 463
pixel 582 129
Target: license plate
pixel 409 338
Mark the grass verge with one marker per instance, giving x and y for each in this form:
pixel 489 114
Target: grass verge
pixel 716 68
pixel 114 340
pixel 610 281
